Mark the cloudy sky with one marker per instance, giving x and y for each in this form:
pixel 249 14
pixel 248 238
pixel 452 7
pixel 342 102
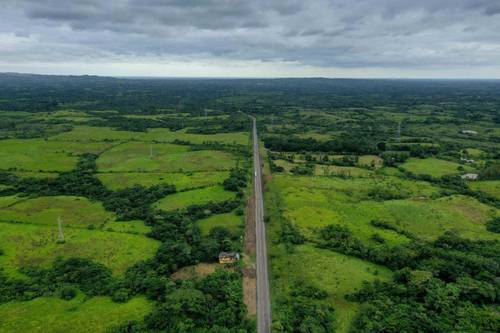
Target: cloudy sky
pixel 252 38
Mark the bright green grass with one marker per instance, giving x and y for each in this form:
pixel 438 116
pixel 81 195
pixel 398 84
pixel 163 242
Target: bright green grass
pixel 312 205
pixel 35 245
pixel 432 166
pixel 74 211
pixel 134 156
pixel 333 272
pixel 132 227
pixel 182 181
pixel 370 160
pixel 41 155
pixel 488 186
pixel 194 197
pixel 79 315
pixel 473 152
pixel 334 170
pixel 87 133
pixel 230 221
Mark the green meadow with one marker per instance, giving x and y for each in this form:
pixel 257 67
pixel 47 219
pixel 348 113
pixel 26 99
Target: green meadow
pixel 335 273
pixel 491 187
pixel 87 133
pixel 74 211
pixel 433 167
pixel 231 221
pixel 42 155
pixel 181 180
pixel 133 156
pixel 79 315
pixel 194 197
pixel 36 245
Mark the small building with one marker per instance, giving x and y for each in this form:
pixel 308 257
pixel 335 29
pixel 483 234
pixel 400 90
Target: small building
pixel 228 257
pixel 466 160
pixel 470 132
pixel 470 176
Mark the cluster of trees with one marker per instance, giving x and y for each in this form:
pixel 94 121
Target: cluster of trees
pixel 304 310
pixel 213 304
pixel 237 180
pixel 441 286
pixel 343 144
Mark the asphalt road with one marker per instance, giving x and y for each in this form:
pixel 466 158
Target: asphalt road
pixel 263 296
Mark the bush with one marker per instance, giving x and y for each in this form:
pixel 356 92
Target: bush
pixel 493 225
pixel 67 293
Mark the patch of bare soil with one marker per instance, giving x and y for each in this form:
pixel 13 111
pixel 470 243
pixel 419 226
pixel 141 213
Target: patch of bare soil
pixel 197 271
pixel 250 239
pixel 249 290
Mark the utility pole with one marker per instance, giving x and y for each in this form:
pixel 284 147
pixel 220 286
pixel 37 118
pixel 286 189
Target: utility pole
pixel 60 236
pixel 205 112
pixel 151 151
pixel 272 119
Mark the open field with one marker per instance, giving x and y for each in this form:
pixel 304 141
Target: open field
pixel 230 221
pixel 433 167
pixel 135 156
pixel 334 170
pixel 311 204
pixel 74 211
pixel 41 155
pixel 79 315
pixel 491 187
pixel 87 133
pixel 35 245
pixel 182 181
pixel 335 273
pixel 194 197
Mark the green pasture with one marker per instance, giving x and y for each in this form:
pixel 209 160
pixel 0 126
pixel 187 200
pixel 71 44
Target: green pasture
pixel 41 155
pixel 369 160
pixel 230 221
pixel 335 273
pixel 88 133
pixel 182 181
pixel 311 205
pixel 334 170
pixel 131 227
pixel 74 211
pixel 491 187
pixel 194 197
pixel 36 245
pixel 135 156
pixel 433 167
pixel 79 315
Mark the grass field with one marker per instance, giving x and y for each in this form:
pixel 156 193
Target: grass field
pixel 230 221
pixel 312 204
pixel 135 156
pixel 87 133
pixel 79 315
pixel 491 187
pixel 194 197
pixel 333 272
pixel 41 155
pixel 432 166
pixel 334 170
pixel 74 211
pixel 35 245
pixel 182 181
pixel 370 160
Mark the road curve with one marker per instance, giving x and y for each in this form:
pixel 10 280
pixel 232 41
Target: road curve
pixel 263 295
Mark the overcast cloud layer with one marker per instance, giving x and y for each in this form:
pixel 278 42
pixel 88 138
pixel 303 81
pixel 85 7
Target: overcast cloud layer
pixel 353 38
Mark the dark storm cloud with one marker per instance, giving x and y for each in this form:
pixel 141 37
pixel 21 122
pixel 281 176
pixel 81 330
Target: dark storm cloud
pixel 329 33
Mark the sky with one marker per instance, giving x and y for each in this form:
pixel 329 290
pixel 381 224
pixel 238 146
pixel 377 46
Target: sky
pixel 252 38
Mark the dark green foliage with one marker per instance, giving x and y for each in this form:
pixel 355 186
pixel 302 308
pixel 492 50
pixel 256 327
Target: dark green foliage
pixel 303 169
pixel 290 234
pixel 212 305
pixel 67 293
pixel 492 225
pixel 343 144
pixel 237 180
pixel 305 311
